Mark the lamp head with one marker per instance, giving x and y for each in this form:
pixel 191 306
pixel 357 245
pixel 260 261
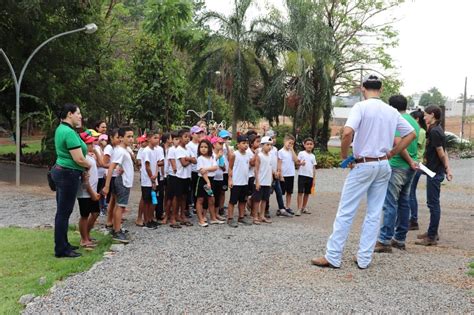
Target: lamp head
pixel 90 28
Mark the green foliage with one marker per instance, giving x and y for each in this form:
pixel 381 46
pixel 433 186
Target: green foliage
pixel 28 255
pixel 432 97
pixel 391 87
pixel 159 84
pixel 327 159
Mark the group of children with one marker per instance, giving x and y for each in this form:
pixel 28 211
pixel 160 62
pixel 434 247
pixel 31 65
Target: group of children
pixel 188 171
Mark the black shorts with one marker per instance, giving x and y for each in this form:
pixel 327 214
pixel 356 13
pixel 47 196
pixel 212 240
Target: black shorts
pixel 87 206
pixel 178 186
pixel 238 194
pixel 262 194
pixel 251 186
pixel 288 185
pixel 146 194
pixel 226 182
pixel 111 189
pixel 100 184
pixel 304 184
pixel 199 191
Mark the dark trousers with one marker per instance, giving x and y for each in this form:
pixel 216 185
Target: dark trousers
pixel 67 182
pixel 278 195
pixel 159 209
pixel 433 191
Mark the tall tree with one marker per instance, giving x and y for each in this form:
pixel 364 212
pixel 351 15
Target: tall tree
pixel 230 50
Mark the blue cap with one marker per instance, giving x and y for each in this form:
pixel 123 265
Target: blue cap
pixel 224 134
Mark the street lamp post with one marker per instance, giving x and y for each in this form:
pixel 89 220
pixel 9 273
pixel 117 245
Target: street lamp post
pixel 209 92
pixel 88 29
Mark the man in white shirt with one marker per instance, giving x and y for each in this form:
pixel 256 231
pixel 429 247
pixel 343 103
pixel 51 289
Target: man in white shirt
pixel 373 124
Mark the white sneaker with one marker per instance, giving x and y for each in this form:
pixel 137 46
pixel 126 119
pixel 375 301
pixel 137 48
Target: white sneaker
pixel 306 211
pixel 298 212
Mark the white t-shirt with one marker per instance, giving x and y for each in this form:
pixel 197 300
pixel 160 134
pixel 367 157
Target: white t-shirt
pixel 274 159
pixel 171 155
pixel 140 153
pixel 93 179
pixel 182 171
pixel 310 163
pixel 287 163
pixel 160 156
pixel 240 172
pixel 219 174
pixel 206 162
pixel 193 147
pixel 101 171
pixel 109 150
pixel 252 168
pixel 374 124
pixel 265 170
pixel 148 155
pixel 123 157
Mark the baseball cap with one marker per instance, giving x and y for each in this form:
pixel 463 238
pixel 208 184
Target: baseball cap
pixel 266 140
pixel 224 134
pixel 103 137
pixel 371 78
pixel 242 138
pixel 141 139
pixel 215 140
pixel 93 132
pixel 196 129
pixel 87 138
pixel 270 133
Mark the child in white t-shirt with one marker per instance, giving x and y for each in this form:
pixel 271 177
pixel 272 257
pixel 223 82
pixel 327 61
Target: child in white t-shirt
pixel 123 182
pixel 206 167
pixel 263 181
pixel 306 175
pixel 289 160
pixel 87 195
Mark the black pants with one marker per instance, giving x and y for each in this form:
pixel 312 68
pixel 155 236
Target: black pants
pixel 159 209
pixel 67 182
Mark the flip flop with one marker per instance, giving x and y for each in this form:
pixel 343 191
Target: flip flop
pixel 187 223
pixel 175 226
pixel 139 225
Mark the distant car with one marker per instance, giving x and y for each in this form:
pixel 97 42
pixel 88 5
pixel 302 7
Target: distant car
pixel 451 138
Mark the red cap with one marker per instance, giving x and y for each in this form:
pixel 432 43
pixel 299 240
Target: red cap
pixel 87 138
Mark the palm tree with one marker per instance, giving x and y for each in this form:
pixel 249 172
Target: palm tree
pixel 301 44
pixel 230 51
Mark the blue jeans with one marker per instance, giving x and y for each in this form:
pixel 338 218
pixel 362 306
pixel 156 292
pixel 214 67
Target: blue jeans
pixel 433 191
pixel 413 200
pixel 396 208
pixel 369 179
pixel 278 194
pixel 67 183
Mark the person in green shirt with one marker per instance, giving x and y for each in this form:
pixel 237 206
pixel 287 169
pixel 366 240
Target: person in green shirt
pixel 418 115
pixel 396 209
pixel 66 174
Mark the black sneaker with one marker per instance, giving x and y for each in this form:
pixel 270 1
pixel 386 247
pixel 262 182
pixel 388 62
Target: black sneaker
pixel 232 223
pixel 70 254
pixel 290 211
pixel 120 237
pixel 150 226
pixel 124 231
pixel 413 226
pixel 244 221
pixel 398 245
pixel 221 212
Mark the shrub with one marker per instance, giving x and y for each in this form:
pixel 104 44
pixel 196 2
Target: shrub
pixel 327 159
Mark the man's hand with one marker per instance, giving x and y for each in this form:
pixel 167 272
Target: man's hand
pixel 105 191
pixel 257 186
pixel 449 175
pixel 230 183
pixel 95 197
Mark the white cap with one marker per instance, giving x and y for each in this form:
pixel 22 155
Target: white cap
pixel 266 140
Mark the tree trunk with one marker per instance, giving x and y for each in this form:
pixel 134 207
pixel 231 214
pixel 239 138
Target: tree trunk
pixel 234 123
pixel 326 132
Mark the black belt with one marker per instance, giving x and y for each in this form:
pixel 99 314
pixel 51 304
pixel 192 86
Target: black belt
pixel 370 159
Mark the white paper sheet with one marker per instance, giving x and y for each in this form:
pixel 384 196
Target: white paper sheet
pixel 428 172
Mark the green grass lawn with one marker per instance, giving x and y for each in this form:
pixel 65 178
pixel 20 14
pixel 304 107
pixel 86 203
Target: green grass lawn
pixel 471 269
pixel 27 255
pixel 34 145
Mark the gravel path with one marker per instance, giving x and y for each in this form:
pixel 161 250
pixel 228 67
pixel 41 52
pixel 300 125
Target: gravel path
pixel 267 268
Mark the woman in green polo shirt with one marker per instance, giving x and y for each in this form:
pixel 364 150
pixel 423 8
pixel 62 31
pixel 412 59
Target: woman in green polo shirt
pixel 66 174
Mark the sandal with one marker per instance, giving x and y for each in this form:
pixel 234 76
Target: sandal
pixel 175 225
pixel 257 222
pixel 265 220
pixel 88 246
pixel 187 223
pixel 139 225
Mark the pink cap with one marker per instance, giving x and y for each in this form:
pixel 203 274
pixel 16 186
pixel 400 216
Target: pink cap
pixel 103 137
pixel 215 140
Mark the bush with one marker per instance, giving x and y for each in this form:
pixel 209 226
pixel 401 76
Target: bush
pixel 327 159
